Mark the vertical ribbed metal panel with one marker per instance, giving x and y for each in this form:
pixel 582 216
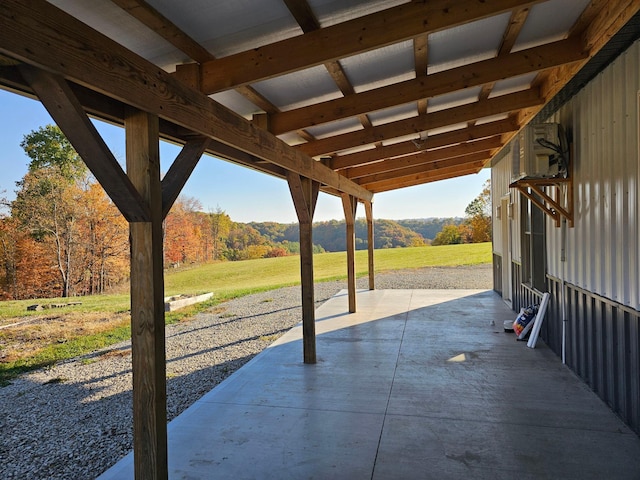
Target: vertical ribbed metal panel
pixel 602 267
pixel 500 180
pixel 602 248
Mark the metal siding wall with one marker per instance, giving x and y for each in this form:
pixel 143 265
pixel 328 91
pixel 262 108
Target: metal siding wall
pixel 602 269
pixel 496 195
pixel 500 180
pixel 602 248
pixel 603 346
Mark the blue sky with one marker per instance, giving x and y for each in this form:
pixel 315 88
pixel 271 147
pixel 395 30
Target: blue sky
pixel 242 193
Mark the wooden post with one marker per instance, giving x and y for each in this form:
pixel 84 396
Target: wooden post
pixel 368 208
pixel 349 203
pixel 304 192
pixel 147 302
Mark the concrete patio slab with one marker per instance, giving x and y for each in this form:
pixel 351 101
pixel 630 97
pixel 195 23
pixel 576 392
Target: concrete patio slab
pixel 418 384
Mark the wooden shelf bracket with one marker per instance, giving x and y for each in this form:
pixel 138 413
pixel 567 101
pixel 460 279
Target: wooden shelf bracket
pixel 556 206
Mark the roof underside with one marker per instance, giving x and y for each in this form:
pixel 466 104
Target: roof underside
pixel 388 94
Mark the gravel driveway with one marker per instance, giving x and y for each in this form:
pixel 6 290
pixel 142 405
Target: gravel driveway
pixel 73 421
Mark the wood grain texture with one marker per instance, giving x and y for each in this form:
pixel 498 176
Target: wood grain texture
pixel 63 106
pixel 422 158
pixel 304 193
pixel 485 108
pixel 346 39
pixel 180 171
pixel 422 178
pixel 441 83
pixel 38 33
pixel 454 137
pixel 147 302
pixel 368 208
pixel 436 166
pixel 350 204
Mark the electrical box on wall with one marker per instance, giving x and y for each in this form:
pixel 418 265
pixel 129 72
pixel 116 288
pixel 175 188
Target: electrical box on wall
pixel 539 151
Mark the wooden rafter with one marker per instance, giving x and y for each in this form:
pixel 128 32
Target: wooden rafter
pixel 459 136
pixel 421 62
pixel 451 116
pixel 439 165
pixel 339 41
pixel 422 178
pixel 448 81
pixel 425 157
pixel 305 17
pixel 516 22
pixel 153 19
pixel 51 39
pixel 556 63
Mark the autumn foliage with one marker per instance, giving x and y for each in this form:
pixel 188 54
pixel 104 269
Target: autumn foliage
pixel 476 227
pixel 62 236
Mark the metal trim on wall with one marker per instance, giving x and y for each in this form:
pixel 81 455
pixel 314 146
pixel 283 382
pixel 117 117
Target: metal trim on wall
pixel 602 341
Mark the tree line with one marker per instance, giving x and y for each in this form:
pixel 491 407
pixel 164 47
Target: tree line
pixel 62 236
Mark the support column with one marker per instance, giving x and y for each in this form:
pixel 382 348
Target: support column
pixel 349 203
pixel 304 192
pixel 368 208
pixel 147 301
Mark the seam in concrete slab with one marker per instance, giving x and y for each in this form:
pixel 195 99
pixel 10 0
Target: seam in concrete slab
pixel 386 409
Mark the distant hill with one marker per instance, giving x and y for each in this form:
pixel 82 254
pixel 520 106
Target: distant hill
pixel 331 235
pixel 429 227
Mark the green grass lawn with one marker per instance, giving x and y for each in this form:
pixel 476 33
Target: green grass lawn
pixel 232 279
pixel 227 280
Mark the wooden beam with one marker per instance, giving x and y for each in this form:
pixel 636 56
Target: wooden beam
pixel 346 39
pixel 554 205
pixel 516 22
pixel 425 157
pixel 599 22
pixel 422 181
pixel 180 171
pixel 65 109
pixel 147 302
pixel 188 73
pixel 421 63
pixel 613 15
pixel 421 178
pixel 302 200
pixel 368 208
pixel 108 109
pixel 349 204
pixel 149 16
pixel 479 73
pixel 485 108
pixel 42 35
pixel 303 14
pixel 460 162
pixel 304 193
pixel 554 208
pixel 227 152
pixel 420 55
pixel 432 142
pixel 540 204
pixel 305 17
